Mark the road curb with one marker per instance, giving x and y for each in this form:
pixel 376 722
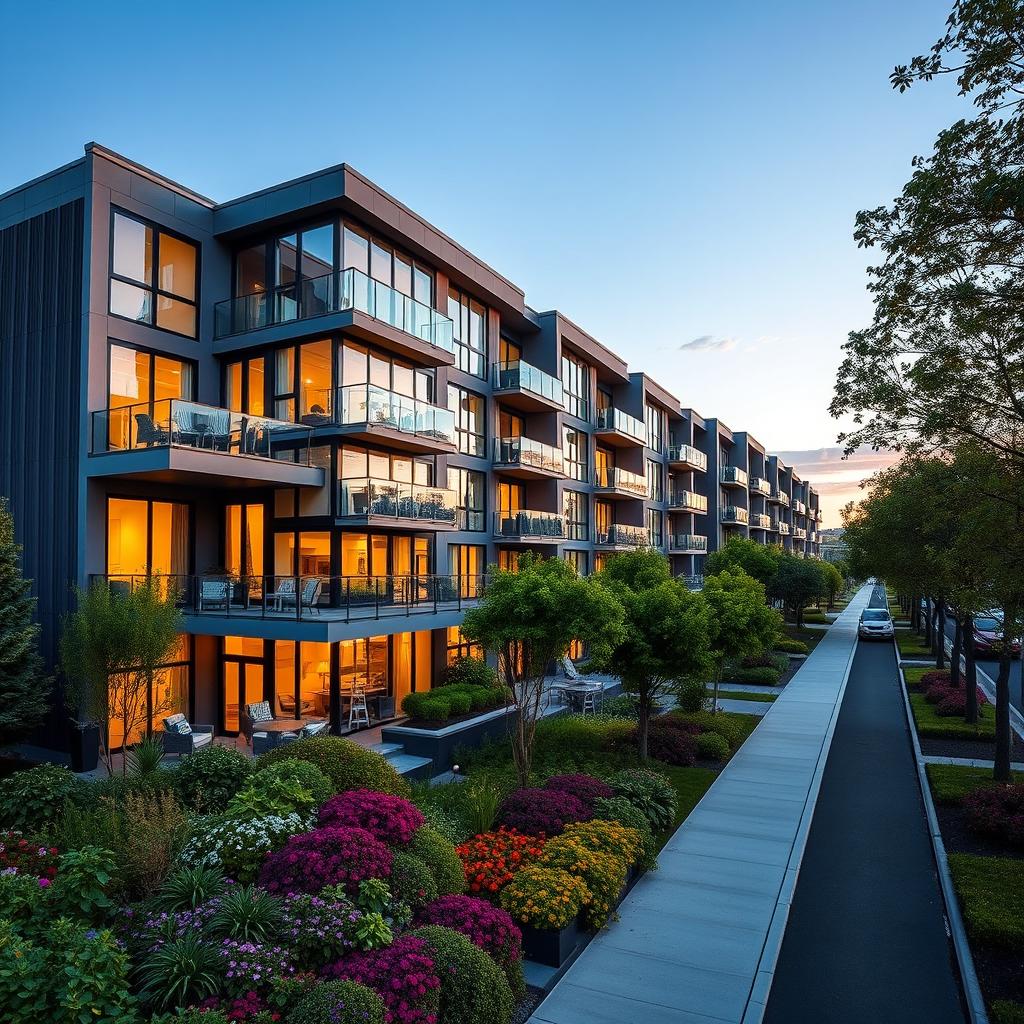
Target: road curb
pixel 965 960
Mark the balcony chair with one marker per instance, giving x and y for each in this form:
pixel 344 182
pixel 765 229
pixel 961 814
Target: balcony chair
pixel 213 593
pixel 250 717
pixel 285 594
pixel 182 738
pixel 148 433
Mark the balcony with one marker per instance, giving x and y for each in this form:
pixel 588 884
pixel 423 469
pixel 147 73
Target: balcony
pixel 685 456
pixel 523 386
pixel 687 544
pixel 375 311
pixel 734 514
pixel 779 497
pixel 733 476
pixel 399 505
pixel 687 501
pixel 527 459
pixel 759 521
pixel 370 413
pixel 799 533
pixel 618 536
pixel 758 485
pixel 781 528
pixel 175 441
pixel 613 482
pixel 529 527
pixel 799 507
pixel 619 429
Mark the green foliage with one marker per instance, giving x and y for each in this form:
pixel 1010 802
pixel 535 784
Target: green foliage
pixel 372 931
pixel 991 894
pixel 188 887
pixel 32 799
pixel 757 560
pixel 1005 1012
pixel 622 705
pixel 797 582
pixel 931 725
pixel 23 900
pixel 80 887
pixel 347 765
pixel 757 676
pixel 483 796
pixel 950 783
pixel 455 699
pixel 789 646
pixel 143 759
pixel 691 695
pixel 339 1002
pixel 305 773
pixel 712 746
pixel 833 580
pixel 734 728
pixel 411 880
pixel 207 779
pixel 622 810
pixel 440 858
pixel 24 693
pixel 469 672
pixel 249 914
pixel 182 971
pixel 272 795
pixel 474 990
pixel 649 793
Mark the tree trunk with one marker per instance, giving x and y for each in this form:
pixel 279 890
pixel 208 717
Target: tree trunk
pixel 799 616
pixel 643 722
pixel 970 670
pixel 927 622
pixel 915 613
pixel 954 658
pixel 718 678
pixel 1001 773
pixel 940 646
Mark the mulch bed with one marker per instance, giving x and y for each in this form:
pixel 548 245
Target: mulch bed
pixel 980 749
pixel 529 1003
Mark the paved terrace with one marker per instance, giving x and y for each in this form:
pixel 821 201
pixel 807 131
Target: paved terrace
pixel 697 940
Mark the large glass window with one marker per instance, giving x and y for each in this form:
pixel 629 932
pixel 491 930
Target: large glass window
pixel 131 706
pixel 574 450
pixel 469 420
pixel 138 386
pixel 245 386
pixel 469 486
pixel 470 330
pixel 575 386
pixel 577 559
pixel 655 476
pixel 153 275
pixel 655 528
pixel 147 538
pixel 467 562
pixel 577 520
pixel 655 431
pixel 460 647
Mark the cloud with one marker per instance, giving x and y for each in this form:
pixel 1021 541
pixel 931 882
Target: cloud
pixel 708 343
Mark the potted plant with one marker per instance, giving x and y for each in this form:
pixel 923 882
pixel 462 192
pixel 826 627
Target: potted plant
pixel 84 745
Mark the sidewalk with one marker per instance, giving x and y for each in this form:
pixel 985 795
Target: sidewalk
pixel 697 940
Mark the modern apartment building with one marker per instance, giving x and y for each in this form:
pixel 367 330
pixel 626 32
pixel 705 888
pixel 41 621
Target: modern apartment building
pixel 316 420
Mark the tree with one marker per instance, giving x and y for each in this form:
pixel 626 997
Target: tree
pixel 666 636
pixel 833 580
pixel 742 624
pixel 757 560
pixel 110 648
pixel 796 583
pixel 528 618
pixel 24 691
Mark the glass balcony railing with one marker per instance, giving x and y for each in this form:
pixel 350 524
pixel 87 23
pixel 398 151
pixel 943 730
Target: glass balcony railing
pixel 333 293
pixel 780 527
pixel 799 533
pixel 688 454
pixel 394 500
pixel 760 520
pixel 734 514
pixel 759 485
pixel 622 423
pixel 524 451
pixel 799 507
pixel 617 535
pixel 734 475
pixel 372 406
pixel 174 422
pixel 781 497
pixel 524 525
pixel 690 542
pixel 688 501
pixel 520 376
pixel 611 478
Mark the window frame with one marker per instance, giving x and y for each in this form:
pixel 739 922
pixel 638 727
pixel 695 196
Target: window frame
pixel 462 432
pixel 461 489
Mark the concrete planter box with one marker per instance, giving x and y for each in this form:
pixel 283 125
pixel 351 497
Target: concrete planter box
pixel 551 948
pixel 440 744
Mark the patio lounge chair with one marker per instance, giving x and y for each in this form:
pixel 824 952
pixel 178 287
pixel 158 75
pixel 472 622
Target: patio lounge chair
pixel 213 593
pixel 250 717
pixel 148 433
pixel 182 738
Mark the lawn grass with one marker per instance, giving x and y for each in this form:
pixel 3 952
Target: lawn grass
pixel 929 724
pixel 950 783
pixel 911 645
pixel 690 785
pixel 991 894
pixel 811 637
pixel 739 695
pixel 914 674
pixel 1005 1012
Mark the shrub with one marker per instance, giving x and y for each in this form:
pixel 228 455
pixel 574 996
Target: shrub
pixel 32 799
pixel 404 976
pixel 691 695
pixel 183 971
pixel 607 837
pixel 22 857
pixel 650 793
pixel 411 880
pixel 618 808
pixel 622 705
pixel 712 747
pixel 757 676
pixel 483 798
pixel 544 897
pixel 346 764
pixel 274 796
pixel 239 847
pixel 457 699
pixel 318 929
pixel 207 780
pixel 667 742
pixel 339 1002
pixel 441 859
pixel 426 707
pixel 778 662
pixel 486 926
pixel 391 819
pixel 474 989
pixel 305 773
pixel 80 887
pixel 584 787
pixel 997 812
pixel 541 811
pixel 248 914
pixel 954 703
pixel 147 932
pixel 146 833
pixel 334 855
pixel 726 725
pixel 788 646
pixel 603 873
pixel 469 671
pixel 937 692
pixel 188 887
pixel 251 966
pixel 933 677
pixel 22 898
pixel 490 860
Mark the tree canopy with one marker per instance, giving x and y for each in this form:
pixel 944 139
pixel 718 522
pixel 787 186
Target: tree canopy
pixel 757 560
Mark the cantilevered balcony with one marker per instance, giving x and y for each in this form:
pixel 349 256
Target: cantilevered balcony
pixel 759 521
pixel 779 527
pixel 799 533
pixel 687 544
pixel 619 429
pixel 613 482
pixel 523 386
pixel 619 536
pixel 527 459
pixel 394 504
pixel 734 514
pixel 685 456
pixel 173 440
pixel 779 497
pixel 759 485
pixel 799 507
pixel 526 527
pixel 687 501
pixel 733 476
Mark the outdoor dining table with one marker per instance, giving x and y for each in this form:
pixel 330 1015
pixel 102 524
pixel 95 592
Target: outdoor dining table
pixel 282 725
pixel 575 692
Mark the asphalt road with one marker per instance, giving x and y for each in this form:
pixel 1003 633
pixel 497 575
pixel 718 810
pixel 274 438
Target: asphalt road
pixel 866 938
pixel 990 666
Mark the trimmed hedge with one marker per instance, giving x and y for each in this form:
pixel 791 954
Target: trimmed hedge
pixel 712 746
pixel 788 646
pixel 348 765
pixel 455 699
pixel 758 676
pixel 469 672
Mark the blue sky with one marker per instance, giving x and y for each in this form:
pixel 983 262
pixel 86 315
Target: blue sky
pixel 665 174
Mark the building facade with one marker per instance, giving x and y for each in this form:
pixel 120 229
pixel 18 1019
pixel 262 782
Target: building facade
pixel 316 420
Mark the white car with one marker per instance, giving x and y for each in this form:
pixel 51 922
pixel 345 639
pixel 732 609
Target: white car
pixel 875 624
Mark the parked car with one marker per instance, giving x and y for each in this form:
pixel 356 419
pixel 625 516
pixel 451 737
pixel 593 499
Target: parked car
pixel 875 624
pixel 988 637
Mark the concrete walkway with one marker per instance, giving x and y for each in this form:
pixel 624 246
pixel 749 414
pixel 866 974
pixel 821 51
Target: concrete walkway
pixel 745 707
pixel 697 940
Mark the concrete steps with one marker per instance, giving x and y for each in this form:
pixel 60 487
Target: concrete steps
pixel 409 765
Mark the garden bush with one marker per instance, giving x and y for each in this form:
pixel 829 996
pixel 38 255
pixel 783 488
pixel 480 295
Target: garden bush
pixel 490 860
pixel 790 646
pixel 486 926
pixel 934 677
pixel 239 848
pixel 997 812
pixel 474 989
pixel 733 728
pixel 954 703
pixel 318 929
pixel 181 971
pixel 188 887
pixel 618 808
pixel 21 856
pixel 620 841
pixel 333 855
pixel 207 780
pixel 391 819
pixel 441 859
pixel 712 747
pixel 937 692
pixel 603 873
pixel 248 914
pixel 622 705
pixel 779 662
pixel 411 881
pixel 346 764
pixel 305 773
pixel 251 966
pixel 339 1002
pixel 32 799
pixel 691 695
pixel 756 676
pixel 652 794
pixel 81 888
pixel 469 672
pixel 402 974
pixel 544 897
pixel 456 699
pixel 584 787
pixel 541 811
pixel 668 742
